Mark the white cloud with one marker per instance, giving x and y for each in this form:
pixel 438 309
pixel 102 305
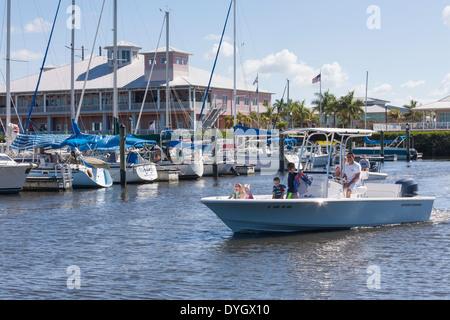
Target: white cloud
pixel 226 50
pixel 287 63
pixel 333 75
pixel 413 84
pixel 38 25
pixel 444 87
pixel 446 16
pixel 381 89
pixel 26 55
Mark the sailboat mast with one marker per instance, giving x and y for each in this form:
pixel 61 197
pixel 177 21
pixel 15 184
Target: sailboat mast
pixel 234 76
pixel 167 72
pixel 72 74
pixel 115 63
pixel 8 73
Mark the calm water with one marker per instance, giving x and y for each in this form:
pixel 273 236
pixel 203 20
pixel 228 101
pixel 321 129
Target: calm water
pixel 157 241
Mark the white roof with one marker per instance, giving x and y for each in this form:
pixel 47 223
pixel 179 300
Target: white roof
pixel 163 50
pixel 443 104
pixel 101 78
pixel 123 44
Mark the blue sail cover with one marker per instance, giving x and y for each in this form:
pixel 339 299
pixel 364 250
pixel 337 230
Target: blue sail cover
pixel 85 142
pixel 27 142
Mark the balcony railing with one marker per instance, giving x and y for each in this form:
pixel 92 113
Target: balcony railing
pixel 108 107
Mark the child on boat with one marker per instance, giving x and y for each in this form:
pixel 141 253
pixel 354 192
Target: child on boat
pixel 248 192
pixel 278 189
pixel 298 183
pixel 292 191
pixel 238 192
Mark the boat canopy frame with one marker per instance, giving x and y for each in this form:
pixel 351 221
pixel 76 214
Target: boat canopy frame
pixel 341 136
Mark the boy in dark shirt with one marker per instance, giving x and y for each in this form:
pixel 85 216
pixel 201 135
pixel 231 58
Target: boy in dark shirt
pixel 292 191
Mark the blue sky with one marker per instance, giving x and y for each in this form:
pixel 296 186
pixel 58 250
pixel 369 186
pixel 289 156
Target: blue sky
pixel 403 44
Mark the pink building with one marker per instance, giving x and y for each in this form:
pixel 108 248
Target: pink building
pixel 137 69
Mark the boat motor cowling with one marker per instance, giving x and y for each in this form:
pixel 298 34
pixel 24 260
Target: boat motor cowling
pixel 410 188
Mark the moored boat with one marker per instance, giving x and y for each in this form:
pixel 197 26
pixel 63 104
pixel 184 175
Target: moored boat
pixel 13 174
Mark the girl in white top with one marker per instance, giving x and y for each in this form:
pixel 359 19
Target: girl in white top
pixel 352 172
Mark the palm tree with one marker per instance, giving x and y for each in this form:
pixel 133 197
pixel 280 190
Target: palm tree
pixel 412 115
pixel 300 114
pixel 229 122
pixel 326 104
pixel 349 108
pixel 255 118
pixel 395 115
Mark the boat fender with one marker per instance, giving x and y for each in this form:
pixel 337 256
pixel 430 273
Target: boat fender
pixel 180 155
pixel 409 188
pixel 90 174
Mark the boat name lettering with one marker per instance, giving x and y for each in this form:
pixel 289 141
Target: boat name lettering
pixel 279 207
pixel 411 204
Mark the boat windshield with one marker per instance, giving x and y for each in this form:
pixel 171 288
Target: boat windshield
pixel 4 157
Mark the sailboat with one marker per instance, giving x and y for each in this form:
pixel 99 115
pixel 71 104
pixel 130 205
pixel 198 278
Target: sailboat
pixel 12 174
pixel 189 167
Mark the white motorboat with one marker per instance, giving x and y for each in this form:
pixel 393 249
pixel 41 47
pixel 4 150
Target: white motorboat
pixel 138 170
pixel 325 206
pixel 13 174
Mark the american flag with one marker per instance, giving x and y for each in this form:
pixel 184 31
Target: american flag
pixel 256 80
pixel 317 79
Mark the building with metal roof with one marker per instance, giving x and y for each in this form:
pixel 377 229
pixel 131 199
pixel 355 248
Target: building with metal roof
pixel 137 71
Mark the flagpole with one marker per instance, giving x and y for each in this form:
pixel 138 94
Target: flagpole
pixel 365 109
pixel 257 97
pixel 320 107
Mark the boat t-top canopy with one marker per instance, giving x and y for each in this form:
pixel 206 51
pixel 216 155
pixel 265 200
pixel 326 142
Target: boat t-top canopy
pixel 334 137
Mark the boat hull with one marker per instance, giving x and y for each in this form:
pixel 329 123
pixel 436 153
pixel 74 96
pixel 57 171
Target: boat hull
pixel 12 178
pixel 91 178
pixel 222 168
pixel 319 214
pixel 140 173
pixel 400 153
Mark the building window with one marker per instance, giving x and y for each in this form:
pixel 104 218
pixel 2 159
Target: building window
pixel 255 101
pixel 152 61
pixel 126 56
pixel 177 60
pixel 163 60
pixel 246 101
pixel 238 101
pixel 184 61
pixel 224 100
pixel 445 117
pixel 96 126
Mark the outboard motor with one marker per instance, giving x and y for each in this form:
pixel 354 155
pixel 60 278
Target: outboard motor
pixel 409 188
